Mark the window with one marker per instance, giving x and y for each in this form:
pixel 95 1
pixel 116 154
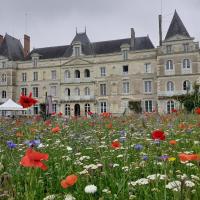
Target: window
pixel 147 86
pixel 103 71
pixel 169 65
pixel 125 54
pixel 87 108
pixel 54 107
pixel 44 75
pixel 24 91
pixel 35 109
pixel 103 89
pixel 67 92
pixel 66 75
pixel 170 86
pixel 186 64
pixel 87 73
pixel 87 91
pixel 67 110
pixel 186 85
pixel 169 48
pixel 103 106
pixel 77 51
pixel 125 87
pixel 53 91
pixel 53 75
pixel 3 78
pixel 77 92
pixel 185 47
pixel 3 64
pixel 147 68
pixel 170 106
pixel 35 91
pixel 35 60
pixel 77 74
pixel 125 69
pixel 35 76
pixel 3 94
pixel 148 105
pixel 23 77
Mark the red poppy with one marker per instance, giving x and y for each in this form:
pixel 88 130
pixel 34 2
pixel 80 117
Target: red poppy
pixel 109 126
pixel 90 113
pixel 47 122
pixel 56 129
pixel 116 144
pixel 158 135
pixel 27 101
pixel 172 142
pixel 174 110
pixel 69 181
pixel 197 111
pixel 60 114
pixel 33 159
pixel 189 157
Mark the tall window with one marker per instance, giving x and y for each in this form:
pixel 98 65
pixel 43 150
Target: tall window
pixel 87 108
pixel 67 110
pixel 169 65
pixel 186 85
pixel 35 91
pixel 3 64
pixel 44 75
pixel 35 109
pixel 67 92
pixel 125 54
pixel 125 69
pixel 147 86
pixel 87 91
pixel 35 61
pixel 186 47
pixel 53 74
pixel 54 107
pixel 77 74
pixel 87 73
pixel 103 106
pixel 148 105
pixel 24 77
pixel 103 89
pixel 170 106
pixel 3 78
pixel 24 91
pixel 35 76
pixel 77 91
pixel 147 68
pixel 169 48
pixel 170 86
pixel 3 94
pixel 186 64
pixel 66 75
pixel 77 51
pixel 103 71
pixel 125 87
pixel 53 91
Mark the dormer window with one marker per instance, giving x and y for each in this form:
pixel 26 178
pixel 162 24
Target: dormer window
pixel 76 49
pixel 169 48
pixel 35 60
pixel 186 47
pixel 125 54
pixel 4 64
pixel 124 49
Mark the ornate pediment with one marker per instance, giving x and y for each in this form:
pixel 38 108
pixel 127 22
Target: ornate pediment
pixel 77 61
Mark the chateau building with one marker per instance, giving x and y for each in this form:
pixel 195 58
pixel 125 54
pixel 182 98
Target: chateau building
pixel 102 76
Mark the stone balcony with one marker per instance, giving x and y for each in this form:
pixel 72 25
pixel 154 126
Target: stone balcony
pixel 78 98
pixel 171 93
pixel 78 80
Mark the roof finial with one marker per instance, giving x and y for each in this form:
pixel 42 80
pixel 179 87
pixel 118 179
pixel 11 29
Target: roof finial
pixel 76 31
pixel 85 29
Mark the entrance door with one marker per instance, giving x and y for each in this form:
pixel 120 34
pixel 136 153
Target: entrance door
pixel 77 110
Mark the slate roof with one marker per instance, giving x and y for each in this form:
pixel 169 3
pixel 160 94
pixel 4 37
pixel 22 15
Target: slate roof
pixel 11 48
pixel 176 27
pixel 88 48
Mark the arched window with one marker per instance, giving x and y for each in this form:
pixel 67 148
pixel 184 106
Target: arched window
pixel 169 65
pixel 77 74
pixel 67 92
pixel 3 94
pixel 186 85
pixel 170 106
pixel 170 86
pixel 87 108
pixel 3 78
pixel 67 110
pixel 186 64
pixel 66 75
pixel 87 73
pixel 77 91
pixel 87 91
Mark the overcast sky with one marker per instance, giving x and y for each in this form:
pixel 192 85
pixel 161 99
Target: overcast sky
pixel 54 22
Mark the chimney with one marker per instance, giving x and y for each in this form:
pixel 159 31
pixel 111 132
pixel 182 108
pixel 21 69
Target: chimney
pixel 1 39
pixel 26 45
pixel 160 29
pixel 132 38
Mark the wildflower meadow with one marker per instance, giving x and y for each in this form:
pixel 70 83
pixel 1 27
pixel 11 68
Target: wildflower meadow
pixel 147 157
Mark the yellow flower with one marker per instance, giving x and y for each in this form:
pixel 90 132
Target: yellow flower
pixel 172 159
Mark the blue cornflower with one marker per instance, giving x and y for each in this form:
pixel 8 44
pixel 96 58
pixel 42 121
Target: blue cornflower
pixel 11 145
pixel 138 147
pixel 122 133
pixel 145 157
pixel 164 157
pixel 32 143
pixel 122 139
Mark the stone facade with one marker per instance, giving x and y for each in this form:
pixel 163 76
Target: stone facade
pixel 105 76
